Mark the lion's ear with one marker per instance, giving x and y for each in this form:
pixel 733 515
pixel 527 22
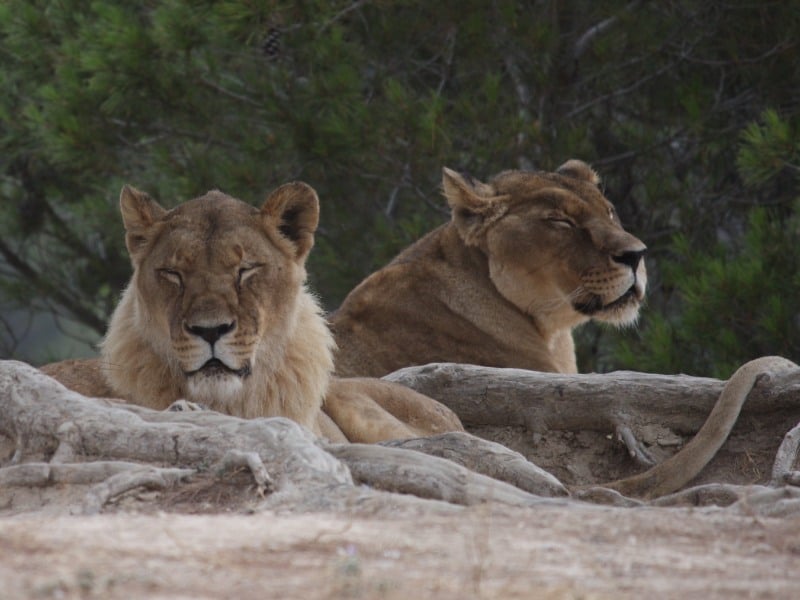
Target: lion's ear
pixel 474 204
pixel 579 170
pixel 293 209
pixel 139 213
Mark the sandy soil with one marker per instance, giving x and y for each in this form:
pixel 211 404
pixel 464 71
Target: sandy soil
pixel 490 551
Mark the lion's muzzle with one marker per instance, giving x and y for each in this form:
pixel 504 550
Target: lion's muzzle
pixel 212 351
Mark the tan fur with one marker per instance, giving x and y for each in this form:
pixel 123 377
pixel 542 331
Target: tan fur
pixel 217 313
pixel 525 258
pixel 211 262
pixel 372 410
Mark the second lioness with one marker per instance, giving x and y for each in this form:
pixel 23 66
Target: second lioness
pixel 525 258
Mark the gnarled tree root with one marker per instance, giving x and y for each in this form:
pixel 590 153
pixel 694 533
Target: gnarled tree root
pixel 488 458
pixel 47 421
pixel 398 470
pixel 124 481
pixel 58 434
pixel 785 459
pixel 619 402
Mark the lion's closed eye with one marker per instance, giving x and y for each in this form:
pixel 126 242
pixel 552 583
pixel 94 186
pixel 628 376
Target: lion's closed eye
pixel 246 272
pixel 172 276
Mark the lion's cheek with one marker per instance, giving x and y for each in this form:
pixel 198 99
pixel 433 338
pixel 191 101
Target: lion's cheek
pixel 537 290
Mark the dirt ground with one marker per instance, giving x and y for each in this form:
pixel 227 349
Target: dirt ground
pixel 489 551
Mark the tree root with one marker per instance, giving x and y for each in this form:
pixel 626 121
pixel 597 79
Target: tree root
pixel 488 396
pixel 47 420
pixel 621 402
pixel 607 496
pixel 785 459
pixel 125 481
pixel 635 449
pixel 770 502
pixel 41 474
pixel 487 458
pixel 236 459
pixel 411 472
pixel 712 494
pixel 61 437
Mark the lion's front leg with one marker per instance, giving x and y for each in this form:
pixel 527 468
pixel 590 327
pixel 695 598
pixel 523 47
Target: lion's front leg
pixel 372 410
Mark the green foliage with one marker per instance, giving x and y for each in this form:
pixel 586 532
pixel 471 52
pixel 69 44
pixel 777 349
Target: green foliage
pixel 737 300
pixel 735 304
pixel 768 147
pixel 367 101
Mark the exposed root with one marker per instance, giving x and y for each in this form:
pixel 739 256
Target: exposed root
pixel 42 474
pixel 487 458
pixel 411 472
pixel 69 437
pixel 758 500
pixel 635 449
pixel 41 416
pixel 234 459
pixel 792 478
pixel 770 502
pixel 785 458
pixel 43 419
pixel 125 481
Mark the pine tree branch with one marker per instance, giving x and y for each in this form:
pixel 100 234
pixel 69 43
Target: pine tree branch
pixel 586 40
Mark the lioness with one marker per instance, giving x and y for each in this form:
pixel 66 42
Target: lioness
pixel 524 259
pixel 217 313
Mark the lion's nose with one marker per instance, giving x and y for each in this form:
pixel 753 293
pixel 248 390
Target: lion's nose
pixel 211 334
pixel 630 258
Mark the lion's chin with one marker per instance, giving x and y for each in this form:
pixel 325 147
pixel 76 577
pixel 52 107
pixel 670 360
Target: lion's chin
pixel 215 384
pixel 214 390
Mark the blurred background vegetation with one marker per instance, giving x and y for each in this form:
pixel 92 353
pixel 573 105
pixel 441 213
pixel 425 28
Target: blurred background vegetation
pixel 690 111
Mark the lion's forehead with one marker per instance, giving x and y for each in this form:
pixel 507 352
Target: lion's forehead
pixel 549 191
pixel 215 229
pixel 230 245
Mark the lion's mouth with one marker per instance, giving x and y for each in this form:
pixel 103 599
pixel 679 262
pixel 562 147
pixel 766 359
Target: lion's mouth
pixel 595 304
pixel 215 367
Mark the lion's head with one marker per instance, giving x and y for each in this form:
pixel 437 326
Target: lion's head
pixel 554 243
pixel 216 311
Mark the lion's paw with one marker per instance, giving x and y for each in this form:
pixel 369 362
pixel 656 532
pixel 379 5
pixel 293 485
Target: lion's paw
pixel 185 406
